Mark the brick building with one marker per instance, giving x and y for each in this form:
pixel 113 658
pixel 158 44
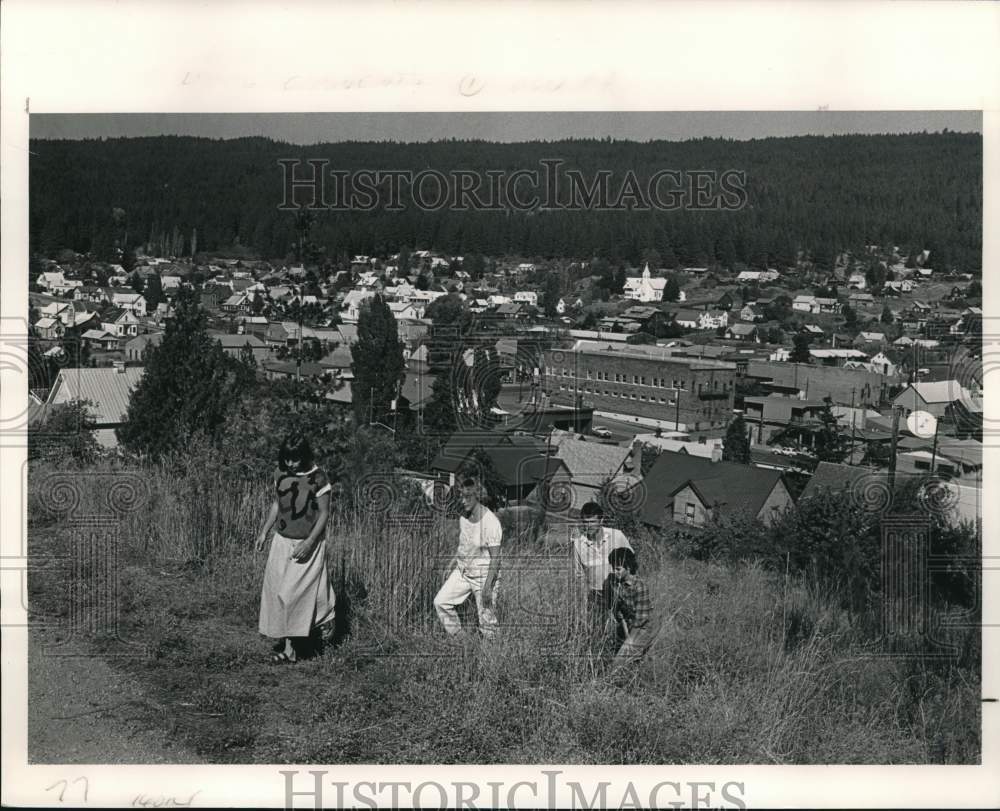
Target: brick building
pixel 641 381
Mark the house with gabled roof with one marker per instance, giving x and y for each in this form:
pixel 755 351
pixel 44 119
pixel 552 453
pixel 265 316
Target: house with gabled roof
pixel 121 323
pixel 805 304
pixel 934 397
pixel 100 339
pixel 49 328
pixel 108 390
pixel 743 332
pixel 135 348
pixel 233 345
pixel 131 301
pixel 592 464
pixel 350 309
pixel 863 338
pixel 691 490
pixel 237 303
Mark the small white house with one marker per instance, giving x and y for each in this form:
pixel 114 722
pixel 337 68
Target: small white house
pixel 131 301
pixel 526 297
pixel 121 323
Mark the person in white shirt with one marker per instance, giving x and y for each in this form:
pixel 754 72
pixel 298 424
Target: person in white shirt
pixel 592 543
pixel 475 569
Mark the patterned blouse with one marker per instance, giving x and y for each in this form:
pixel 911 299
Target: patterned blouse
pixel 298 501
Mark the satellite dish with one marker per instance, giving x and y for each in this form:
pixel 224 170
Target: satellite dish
pixel 922 424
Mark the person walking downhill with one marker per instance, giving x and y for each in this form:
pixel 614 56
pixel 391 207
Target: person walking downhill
pixel 592 543
pixel 297 596
pixel 632 608
pixel 475 568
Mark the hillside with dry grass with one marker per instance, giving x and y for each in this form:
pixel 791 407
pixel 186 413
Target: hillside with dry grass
pixel 756 664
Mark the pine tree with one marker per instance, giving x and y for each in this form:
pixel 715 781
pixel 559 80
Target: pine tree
pixel 671 291
pixel 736 443
pixel 439 414
pixel 189 386
pixel 831 443
pixel 153 292
pixel 377 362
pixel 551 294
pixel 800 350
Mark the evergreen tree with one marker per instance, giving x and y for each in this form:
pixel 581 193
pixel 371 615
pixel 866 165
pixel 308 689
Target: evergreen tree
pixel 831 443
pixel 153 292
pixel 136 281
pixel 850 317
pixel 129 261
pixel 189 386
pixel 551 294
pixel 736 443
pixel 800 350
pixel 377 362
pixel 887 316
pixel 672 290
pixel 440 417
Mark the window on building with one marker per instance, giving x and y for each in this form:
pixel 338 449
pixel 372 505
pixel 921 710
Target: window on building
pixel 589 374
pixel 689 511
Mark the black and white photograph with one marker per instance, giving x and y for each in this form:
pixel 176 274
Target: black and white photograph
pixel 488 437
pixel 398 423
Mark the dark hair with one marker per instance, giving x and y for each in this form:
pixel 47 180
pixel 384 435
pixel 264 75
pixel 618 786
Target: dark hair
pixel 591 510
pixel 623 556
pixel 472 483
pixel 295 447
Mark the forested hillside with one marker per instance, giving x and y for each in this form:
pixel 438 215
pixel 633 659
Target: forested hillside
pixel 817 194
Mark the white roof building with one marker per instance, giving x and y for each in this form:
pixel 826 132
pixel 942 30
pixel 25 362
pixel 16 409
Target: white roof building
pixel 644 288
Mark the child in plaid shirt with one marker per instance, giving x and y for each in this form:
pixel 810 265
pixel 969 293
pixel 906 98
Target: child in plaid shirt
pixel 629 600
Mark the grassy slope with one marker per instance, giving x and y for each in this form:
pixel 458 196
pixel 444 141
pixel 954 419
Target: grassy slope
pixel 748 670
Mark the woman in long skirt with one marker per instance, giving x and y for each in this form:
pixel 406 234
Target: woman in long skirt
pixel 297 595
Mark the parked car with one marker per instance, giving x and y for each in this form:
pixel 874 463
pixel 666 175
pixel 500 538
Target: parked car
pixel 601 431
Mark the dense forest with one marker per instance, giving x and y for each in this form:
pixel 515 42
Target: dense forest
pixel 806 196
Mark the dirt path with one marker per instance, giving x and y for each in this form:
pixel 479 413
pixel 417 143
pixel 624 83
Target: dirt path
pixel 82 710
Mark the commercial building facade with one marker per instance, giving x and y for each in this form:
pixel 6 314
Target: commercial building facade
pixel 643 382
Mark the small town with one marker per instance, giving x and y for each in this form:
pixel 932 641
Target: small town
pixel 595 366
pixel 583 485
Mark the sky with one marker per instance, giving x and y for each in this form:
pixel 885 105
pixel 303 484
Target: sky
pixel 311 128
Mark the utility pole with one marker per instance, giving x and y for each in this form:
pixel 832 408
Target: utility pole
pixel 298 355
pixel 892 451
pixel 854 425
pixel 937 424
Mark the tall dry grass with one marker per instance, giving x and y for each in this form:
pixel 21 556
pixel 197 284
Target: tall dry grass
pixel 751 667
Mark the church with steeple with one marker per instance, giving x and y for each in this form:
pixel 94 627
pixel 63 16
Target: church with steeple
pixel 644 288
